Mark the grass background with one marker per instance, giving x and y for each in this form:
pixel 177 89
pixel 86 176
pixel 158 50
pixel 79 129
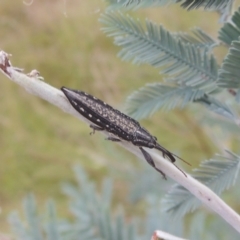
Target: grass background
pixel 38 143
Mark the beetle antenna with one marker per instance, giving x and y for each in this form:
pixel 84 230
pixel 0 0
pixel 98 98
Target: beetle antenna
pixel 170 155
pixel 180 170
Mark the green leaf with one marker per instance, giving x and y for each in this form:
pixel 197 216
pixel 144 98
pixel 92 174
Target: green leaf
pixel 225 11
pixel 31 229
pixel 140 186
pixel 182 63
pixel 52 225
pixel 18 227
pixel 216 106
pixel 198 38
pixel 230 31
pixel 230 71
pixel 136 4
pixel 189 4
pixel 156 217
pixel 152 97
pixel 218 174
pixel 92 211
pixel 198 226
pixel 207 4
pixel 33 218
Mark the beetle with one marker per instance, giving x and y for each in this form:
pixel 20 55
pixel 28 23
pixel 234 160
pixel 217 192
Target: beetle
pixel 103 117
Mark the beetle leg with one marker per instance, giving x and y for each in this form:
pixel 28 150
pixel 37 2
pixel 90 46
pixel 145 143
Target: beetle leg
pixel 150 161
pixel 95 128
pixel 114 139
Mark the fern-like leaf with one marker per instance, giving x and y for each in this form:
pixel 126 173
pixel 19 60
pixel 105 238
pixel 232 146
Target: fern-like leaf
pixel 198 38
pixel 207 4
pixel 230 71
pixel 33 218
pixel 189 4
pixel 33 227
pixel 218 174
pixel 136 4
pixel 18 227
pixel 140 186
pixel 217 107
pixel 152 97
pixel 230 31
pixel 92 212
pixel 52 228
pixel 226 11
pixel 183 63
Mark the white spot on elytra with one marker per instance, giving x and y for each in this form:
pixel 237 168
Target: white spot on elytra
pixel 85 93
pixel 90 115
pixel 98 120
pixel 107 126
pixel 74 102
pixel 82 109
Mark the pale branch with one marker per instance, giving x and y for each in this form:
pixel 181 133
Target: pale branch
pixel 33 85
pixel 158 235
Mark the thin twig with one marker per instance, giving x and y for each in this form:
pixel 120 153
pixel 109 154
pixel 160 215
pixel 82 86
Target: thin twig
pixel 33 85
pixel 159 235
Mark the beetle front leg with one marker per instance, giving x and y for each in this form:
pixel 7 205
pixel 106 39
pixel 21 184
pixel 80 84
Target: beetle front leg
pixel 114 139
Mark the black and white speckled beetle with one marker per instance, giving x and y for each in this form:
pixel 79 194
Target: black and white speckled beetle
pixel 120 126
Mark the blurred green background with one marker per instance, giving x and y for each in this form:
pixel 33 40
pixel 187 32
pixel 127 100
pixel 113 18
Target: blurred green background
pixel 38 142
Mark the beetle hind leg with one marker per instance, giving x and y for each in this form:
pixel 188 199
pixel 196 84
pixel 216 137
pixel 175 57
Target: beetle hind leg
pixel 113 138
pixel 150 161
